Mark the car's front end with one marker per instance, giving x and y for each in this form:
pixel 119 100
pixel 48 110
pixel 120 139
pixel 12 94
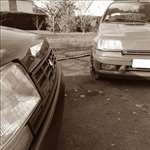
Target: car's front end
pixel 32 92
pixel 118 64
pixel 122 47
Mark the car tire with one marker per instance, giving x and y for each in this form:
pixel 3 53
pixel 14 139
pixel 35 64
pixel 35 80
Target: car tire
pixel 94 74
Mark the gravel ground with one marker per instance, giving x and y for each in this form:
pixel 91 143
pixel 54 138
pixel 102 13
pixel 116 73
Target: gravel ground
pixel 103 115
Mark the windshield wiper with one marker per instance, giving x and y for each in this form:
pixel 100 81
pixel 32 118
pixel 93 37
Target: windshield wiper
pixel 115 20
pixel 129 21
pixel 141 21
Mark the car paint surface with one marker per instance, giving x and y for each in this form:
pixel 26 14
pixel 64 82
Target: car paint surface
pixel 131 36
pixel 9 50
pixel 16 46
pixel 133 42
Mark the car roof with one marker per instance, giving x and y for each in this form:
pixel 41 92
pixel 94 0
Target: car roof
pixel 132 1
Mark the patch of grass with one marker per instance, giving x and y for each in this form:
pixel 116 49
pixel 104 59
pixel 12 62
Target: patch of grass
pixel 70 40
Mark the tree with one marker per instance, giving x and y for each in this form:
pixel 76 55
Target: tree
pixel 82 10
pixel 67 15
pixel 38 22
pixel 61 14
pixel 52 10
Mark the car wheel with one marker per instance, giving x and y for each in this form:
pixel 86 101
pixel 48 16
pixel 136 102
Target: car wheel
pixel 94 74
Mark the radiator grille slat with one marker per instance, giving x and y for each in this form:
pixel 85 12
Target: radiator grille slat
pixel 45 71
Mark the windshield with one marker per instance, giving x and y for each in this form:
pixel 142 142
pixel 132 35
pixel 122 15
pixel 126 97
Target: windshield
pixel 128 12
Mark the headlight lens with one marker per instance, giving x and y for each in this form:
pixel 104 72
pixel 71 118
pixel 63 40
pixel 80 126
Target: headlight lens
pixel 109 45
pixel 36 48
pixel 18 100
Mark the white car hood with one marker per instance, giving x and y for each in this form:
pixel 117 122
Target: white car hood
pixel 130 36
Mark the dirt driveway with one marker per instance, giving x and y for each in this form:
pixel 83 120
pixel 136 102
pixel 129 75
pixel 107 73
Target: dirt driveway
pixel 105 114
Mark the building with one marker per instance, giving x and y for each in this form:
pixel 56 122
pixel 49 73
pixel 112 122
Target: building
pixel 20 14
pixel 25 6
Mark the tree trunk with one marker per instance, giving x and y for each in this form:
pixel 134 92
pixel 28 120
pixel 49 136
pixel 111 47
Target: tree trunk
pixel 53 24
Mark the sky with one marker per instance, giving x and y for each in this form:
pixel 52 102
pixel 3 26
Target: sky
pixel 95 7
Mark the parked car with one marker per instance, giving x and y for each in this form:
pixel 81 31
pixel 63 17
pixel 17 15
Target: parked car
pixel 122 45
pixel 32 92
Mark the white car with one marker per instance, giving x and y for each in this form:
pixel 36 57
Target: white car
pixel 122 45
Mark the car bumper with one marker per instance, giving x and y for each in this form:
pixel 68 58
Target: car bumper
pixel 127 73
pixel 42 140
pixel 115 74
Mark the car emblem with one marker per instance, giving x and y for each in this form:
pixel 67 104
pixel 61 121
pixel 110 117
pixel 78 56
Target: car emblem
pixel 51 63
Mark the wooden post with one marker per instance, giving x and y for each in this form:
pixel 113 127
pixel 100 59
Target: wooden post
pixel 13 5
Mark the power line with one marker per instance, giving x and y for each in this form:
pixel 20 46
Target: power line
pixel 89 6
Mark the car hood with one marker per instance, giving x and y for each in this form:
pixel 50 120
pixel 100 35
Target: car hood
pixel 15 44
pixel 126 36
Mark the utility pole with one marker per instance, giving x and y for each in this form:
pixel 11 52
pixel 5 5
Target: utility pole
pixel 12 5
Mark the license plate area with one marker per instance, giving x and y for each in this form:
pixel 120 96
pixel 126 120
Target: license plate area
pixel 141 63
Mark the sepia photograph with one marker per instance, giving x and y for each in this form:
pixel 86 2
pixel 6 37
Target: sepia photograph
pixel 74 74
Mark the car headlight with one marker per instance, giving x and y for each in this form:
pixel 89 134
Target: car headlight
pixel 36 48
pixel 18 100
pixel 109 45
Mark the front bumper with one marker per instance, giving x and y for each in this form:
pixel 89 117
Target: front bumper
pixel 131 74
pixel 43 140
pixel 128 72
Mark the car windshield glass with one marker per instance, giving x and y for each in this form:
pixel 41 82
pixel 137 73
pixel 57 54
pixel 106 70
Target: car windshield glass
pixel 128 12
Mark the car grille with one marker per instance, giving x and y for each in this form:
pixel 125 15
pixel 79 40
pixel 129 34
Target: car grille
pixel 44 74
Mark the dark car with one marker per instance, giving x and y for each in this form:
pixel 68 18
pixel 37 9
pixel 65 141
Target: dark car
pixel 122 45
pixel 32 92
